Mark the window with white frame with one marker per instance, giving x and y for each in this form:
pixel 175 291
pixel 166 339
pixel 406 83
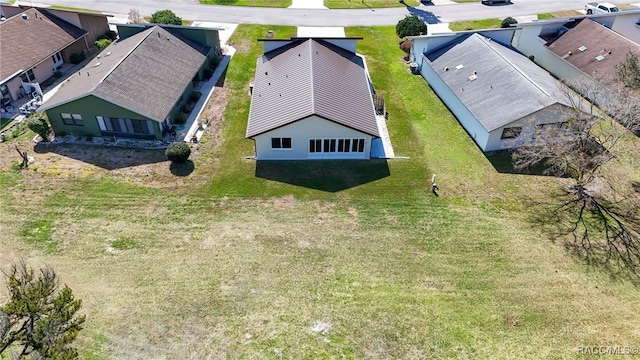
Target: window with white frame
pixel 281 143
pixel 72 119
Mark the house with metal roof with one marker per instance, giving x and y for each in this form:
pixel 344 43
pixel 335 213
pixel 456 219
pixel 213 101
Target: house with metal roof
pixel 36 42
pixel 312 99
pixel 133 89
pixel 498 95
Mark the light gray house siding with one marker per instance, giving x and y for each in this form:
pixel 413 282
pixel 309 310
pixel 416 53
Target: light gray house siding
pixel 459 110
pixel 300 132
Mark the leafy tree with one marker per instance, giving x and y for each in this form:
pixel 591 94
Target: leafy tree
pixel 165 17
pixel 103 43
pixel 411 25
pixel 628 71
pixel 508 21
pixel 37 321
pixel 39 125
pixel 178 152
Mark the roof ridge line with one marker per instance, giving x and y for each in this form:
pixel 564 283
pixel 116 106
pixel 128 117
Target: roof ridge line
pixel 522 73
pixel 123 58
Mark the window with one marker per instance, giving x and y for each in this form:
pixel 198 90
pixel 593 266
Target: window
pixel 281 143
pixel 315 145
pixel 511 133
pixel 57 59
pixel 336 145
pixel 129 126
pixel 27 76
pixel 72 119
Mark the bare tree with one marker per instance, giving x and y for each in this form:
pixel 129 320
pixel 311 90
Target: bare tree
pixel 603 216
pixel 134 16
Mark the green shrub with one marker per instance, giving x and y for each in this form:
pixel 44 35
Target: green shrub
pixel 39 125
pixel 103 43
pixel 186 108
pixel 181 118
pixel 207 73
pixel 178 152
pixel 411 25
pixel 57 74
pixel 508 21
pixel 165 17
pixel 195 96
pixel 111 35
pixel 77 58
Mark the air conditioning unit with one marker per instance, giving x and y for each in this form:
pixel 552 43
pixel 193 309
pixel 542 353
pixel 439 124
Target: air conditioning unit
pixel 414 68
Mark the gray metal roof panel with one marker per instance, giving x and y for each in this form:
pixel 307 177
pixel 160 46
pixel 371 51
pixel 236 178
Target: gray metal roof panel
pixel 507 85
pixel 310 77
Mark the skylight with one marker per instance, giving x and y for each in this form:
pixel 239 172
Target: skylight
pixel 599 57
pixel 582 48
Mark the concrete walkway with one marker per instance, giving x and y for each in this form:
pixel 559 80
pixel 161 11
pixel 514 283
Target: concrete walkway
pixel 195 130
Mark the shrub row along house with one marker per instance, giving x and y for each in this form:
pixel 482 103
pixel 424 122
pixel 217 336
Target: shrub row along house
pixel 312 99
pixel 137 85
pixel 37 42
pixel 499 83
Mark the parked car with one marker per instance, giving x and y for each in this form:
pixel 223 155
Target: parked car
pixel 491 2
pixel 600 8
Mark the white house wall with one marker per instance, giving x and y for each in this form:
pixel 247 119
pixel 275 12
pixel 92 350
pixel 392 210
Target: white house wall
pixel 551 114
pixel 300 132
pixel 626 24
pixel 464 116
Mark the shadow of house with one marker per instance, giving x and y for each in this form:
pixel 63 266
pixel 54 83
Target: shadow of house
pixel 108 158
pixel 325 175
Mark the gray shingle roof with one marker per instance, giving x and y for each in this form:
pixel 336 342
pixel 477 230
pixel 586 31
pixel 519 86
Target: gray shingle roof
pixel 145 73
pixel 595 50
pixel 507 85
pixel 311 77
pixel 24 43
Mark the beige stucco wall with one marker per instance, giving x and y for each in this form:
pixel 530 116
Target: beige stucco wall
pixel 300 132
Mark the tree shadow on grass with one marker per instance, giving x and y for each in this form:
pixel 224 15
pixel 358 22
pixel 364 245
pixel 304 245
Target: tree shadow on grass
pixel 325 175
pixel 589 233
pixel 501 161
pixel 424 15
pixel 182 169
pixel 106 157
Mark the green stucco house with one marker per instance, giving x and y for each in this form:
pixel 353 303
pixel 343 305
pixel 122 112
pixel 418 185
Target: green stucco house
pixel 136 86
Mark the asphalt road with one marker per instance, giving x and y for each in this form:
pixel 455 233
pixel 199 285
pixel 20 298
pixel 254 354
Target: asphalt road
pixel 193 10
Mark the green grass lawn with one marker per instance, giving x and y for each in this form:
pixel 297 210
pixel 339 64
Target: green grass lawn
pixel 475 24
pixel 62 7
pixel 4 122
pixel 336 260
